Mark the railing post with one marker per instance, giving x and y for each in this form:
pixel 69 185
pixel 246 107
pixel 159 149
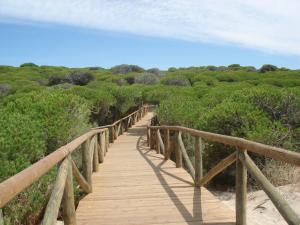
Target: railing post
pixel 107 141
pixel 198 161
pixel 68 203
pixel 87 162
pixel 95 154
pixel 152 139
pixel 101 145
pixel 241 191
pixel 111 134
pixel 157 142
pixel 148 136
pixel 115 132
pixel 167 143
pixel 178 153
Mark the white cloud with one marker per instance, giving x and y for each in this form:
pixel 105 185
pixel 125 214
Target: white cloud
pixel 269 25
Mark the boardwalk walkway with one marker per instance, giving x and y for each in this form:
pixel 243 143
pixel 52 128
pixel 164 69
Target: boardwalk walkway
pixel 136 186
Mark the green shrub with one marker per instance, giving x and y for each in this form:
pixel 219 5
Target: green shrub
pixel 267 68
pixel 62 116
pixel 146 78
pixel 21 142
pixel 28 65
pixel 155 71
pixel 176 81
pixel 124 68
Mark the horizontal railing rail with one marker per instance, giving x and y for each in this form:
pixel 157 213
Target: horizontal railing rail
pixel 243 163
pixel 95 145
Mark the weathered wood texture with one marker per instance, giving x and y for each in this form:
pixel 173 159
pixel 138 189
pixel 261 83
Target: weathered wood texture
pixel 68 203
pixel 198 161
pixel 222 165
pixel 80 179
pixel 53 205
pixel 251 146
pixel 280 203
pixel 137 186
pixel 240 191
pixel 186 158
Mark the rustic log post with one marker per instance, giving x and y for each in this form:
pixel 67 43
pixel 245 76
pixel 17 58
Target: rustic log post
pixel 111 134
pixel 68 203
pixel 87 162
pixel 115 132
pixel 95 154
pixel 152 141
pixel 101 145
pixel 167 143
pixel 279 202
pixel 51 213
pixel 121 127
pixel 241 191
pixel 157 142
pixel 178 153
pixel 1 217
pixel 198 161
pixel 148 136
pixel 107 141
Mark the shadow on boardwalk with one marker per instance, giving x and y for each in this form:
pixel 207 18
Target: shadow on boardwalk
pixel 190 217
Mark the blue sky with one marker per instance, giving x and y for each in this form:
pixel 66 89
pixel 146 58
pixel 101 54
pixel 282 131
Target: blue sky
pixel 36 31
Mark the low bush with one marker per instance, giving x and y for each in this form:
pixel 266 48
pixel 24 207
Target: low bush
pixel 79 78
pixel 155 71
pixel 4 89
pixel 267 68
pixel 146 78
pixel 76 78
pixel 176 81
pixel 124 68
pixel 28 65
pixel 63 116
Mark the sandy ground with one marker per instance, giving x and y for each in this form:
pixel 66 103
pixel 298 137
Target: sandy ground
pixel 260 209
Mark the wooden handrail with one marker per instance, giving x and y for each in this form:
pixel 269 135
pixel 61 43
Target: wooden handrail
pixel 243 162
pixel 17 183
pixel 262 149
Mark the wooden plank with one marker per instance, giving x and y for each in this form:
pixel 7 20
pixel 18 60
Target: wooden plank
pixel 147 189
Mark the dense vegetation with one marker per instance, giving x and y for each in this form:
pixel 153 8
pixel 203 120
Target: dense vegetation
pixel 44 107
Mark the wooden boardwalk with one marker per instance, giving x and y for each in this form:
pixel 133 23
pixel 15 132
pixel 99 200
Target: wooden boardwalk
pixel 136 186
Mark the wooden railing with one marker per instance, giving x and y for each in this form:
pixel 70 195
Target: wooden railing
pixel 95 144
pixel 243 164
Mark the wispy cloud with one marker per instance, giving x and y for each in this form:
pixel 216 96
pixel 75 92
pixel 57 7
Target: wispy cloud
pixel 268 25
